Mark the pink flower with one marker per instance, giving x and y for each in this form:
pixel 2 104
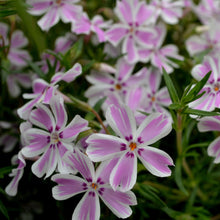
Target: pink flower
pixel 53 138
pixel 170 11
pixel 133 143
pixel 16 54
pixel 134 17
pixel 211 124
pixel 16 173
pixel 85 26
pixel 158 55
pixel 211 99
pixel 208 11
pixel 104 84
pixel 55 10
pixel 44 91
pixel 95 185
pixel 149 98
pixel 208 40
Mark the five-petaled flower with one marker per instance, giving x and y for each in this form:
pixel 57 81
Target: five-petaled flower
pixel 133 143
pixel 53 137
pixel 95 184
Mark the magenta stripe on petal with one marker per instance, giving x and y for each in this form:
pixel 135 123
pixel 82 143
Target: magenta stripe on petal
pixel 156 161
pixel 124 175
pixel 88 207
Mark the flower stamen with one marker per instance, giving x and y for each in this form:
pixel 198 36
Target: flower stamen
pixel 94 185
pixel 133 146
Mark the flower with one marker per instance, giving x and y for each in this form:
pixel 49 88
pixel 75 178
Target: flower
pixel 17 173
pixel 170 11
pixel 134 17
pixel 44 91
pixel 96 185
pixel 211 123
pixel 211 99
pixel 104 84
pixel 208 41
pixel 55 10
pixel 158 55
pixel 84 26
pixel 53 137
pixel 15 54
pixel 133 143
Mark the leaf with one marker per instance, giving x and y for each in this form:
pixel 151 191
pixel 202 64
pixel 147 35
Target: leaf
pixel 199 145
pixel 171 89
pixel 196 89
pixel 3 210
pixel 178 176
pixel 199 112
pixel 5 170
pixel 36 68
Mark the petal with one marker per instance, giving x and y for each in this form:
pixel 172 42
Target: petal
pixel 102 146
pixel 39 85
pixel 87 208
pixel 68 76
pixel 124 11
pixel 121 120
pixel 129 48
pixel 195 45
pixel 124 69
pixel 39 7
pixel 18 57
pixel 77 125
pixel 24 111
pixel 118 202
pixel 156 161
pixel 47 163
pixel 68 186
pixel 116 34
pixel 171 16
pixel 124 175
pixel 134 97
pixel 153 128
pixel 69 12
pixel 209 124
pixel 104 170
pixel 49 19
pixel 83 25
pixel 42 117
pixel 143 13
pixel 163 97
pixel 81 163
pixel 144 37
pixel 154 80
pixel 57 106
pixel 18 39
pixel 214 150
pixel 37 142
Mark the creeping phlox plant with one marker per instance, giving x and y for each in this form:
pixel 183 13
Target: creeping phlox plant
pixel 110 109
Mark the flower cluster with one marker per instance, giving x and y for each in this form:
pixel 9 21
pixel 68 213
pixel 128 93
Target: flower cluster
pixel 103 102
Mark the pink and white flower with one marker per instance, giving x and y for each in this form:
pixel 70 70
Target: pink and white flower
pixel 85 26
pixel 158 55
pixel 53 137
pixel 103 84
pixel 95 185
pixel 169 10
pixel 208 40
pixel 208 11
pixel 44 91
pixel 211 124
pixel 133 29
pixel 55 10
pixel 15 54
pixel 211 99
pixel 131 144
pixel 17 173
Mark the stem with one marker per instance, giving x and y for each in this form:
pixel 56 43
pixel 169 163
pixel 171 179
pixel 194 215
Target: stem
pixel 180 150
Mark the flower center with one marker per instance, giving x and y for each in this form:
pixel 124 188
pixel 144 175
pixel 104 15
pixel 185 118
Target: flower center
pixel 58 1
pixel 55 137
pixel 118 86
pixel 153 99
pixel 133 146
pixel 216 88
pixel 94 185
